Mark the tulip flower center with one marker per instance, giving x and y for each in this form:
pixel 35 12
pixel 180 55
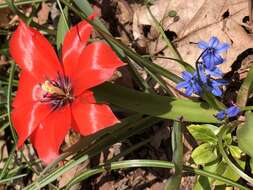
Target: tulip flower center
pixel 57 92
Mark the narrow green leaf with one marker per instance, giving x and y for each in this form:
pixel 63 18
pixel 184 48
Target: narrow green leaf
pixel 245 133
pixel 62 28
pixel 154 105
pixel 203 133
pixel 177 148
pixel 245 89
pixel 148 163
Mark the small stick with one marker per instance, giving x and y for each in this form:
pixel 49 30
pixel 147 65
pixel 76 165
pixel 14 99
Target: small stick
pixel 250 4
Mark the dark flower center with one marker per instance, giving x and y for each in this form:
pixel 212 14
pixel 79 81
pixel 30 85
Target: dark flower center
pixel 57 92
pixel 211 50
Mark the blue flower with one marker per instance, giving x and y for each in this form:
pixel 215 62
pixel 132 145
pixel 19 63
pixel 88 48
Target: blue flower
pixel 230 112
pixel 190 83
pixel 215 72
pixel 211 57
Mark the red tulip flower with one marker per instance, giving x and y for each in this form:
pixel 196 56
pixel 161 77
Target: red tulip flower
pixel 54 96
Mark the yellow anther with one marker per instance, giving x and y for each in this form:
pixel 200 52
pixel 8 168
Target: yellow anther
pixel 48 87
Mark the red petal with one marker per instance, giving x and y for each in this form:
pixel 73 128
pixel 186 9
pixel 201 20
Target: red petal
pixel 48 137
pixel 28 90
pixel 26 119
pixel 96 65
pixel 33 53
pixel 74 43
pixel 91 118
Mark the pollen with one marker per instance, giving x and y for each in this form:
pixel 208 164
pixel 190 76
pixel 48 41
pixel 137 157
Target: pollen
pixel 48 87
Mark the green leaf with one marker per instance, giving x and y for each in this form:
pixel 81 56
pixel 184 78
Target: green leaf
pixel 203 133
pixel 177 147
pixel 245 89
pixel 204 154
pixel 245 133
pixel 230 174
pixel 154 105
pixel 202 183
pixel 62 28
pixel 235 151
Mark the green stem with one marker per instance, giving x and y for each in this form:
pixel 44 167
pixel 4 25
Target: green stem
pixel 173 50
pixel 9 91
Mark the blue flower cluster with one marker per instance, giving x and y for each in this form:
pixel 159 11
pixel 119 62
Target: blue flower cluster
pixel 208 76
pixel 230 112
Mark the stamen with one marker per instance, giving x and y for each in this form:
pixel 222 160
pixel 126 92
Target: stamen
pixel 48 87
pixel 57 92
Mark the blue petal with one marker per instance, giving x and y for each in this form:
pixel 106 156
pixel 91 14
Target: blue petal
pixel 202 74
pixel 216 91
pixel 217 59
pixel 183 84
pixel 186 75
pixel 232 111
pixel 220 115
pixel 222 47
pixel 217 83
pixel 196 88
pixel 189 91
pixel 203 45
pixel 221 82
pixel 208 61
pixel 216 72
pixel 213 42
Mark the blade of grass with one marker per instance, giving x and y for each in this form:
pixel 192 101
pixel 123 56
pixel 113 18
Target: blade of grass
pixel 148 163
pixel 245 89
pixel 177 147
pixel 6 164
pixel 11 179
pixel 9 92
pixel 62 26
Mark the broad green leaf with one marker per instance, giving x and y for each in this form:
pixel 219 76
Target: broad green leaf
pixel 235 151
pixel 62 28
pixel 229 173
pixel 154 105
pixel 204 154
pixel 202 183
pixel 245 135
pixel 202 133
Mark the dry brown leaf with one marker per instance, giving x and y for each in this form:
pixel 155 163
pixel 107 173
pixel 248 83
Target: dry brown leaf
pixel 43 13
